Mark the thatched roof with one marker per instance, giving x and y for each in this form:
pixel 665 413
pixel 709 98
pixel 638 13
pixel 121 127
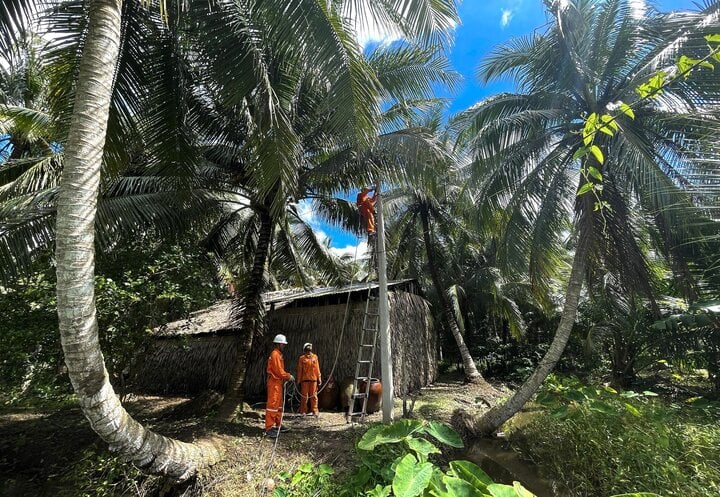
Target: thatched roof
pixel 216 318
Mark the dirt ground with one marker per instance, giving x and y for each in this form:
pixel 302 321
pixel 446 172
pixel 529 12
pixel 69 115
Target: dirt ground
pixel 49 452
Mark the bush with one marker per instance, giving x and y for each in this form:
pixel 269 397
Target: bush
pixel 137 288
pixel 596 441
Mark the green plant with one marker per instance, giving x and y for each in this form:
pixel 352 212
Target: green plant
pixel 307 480
pixel 594 440
pixel 101 474
pixel 139 285
pixel 397 460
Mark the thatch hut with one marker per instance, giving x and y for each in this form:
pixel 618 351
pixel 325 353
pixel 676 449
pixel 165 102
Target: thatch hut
pixel 196 354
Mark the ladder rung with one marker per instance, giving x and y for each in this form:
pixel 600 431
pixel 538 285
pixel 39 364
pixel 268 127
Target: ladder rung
pixel 359 413
pixel 364 362
pixel 363 378
pixel 367 345
pixel 370 329
pixel 359 395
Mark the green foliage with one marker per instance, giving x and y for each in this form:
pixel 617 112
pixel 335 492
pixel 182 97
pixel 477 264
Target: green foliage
pixel 101 474
pixel 693 337
pixel 395 460
pixel 133 298
pixel 597 441
pixel 138 287
pixel 307 480
pixel 31 358
pixel 653 87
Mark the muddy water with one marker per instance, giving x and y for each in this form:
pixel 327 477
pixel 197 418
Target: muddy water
pixel 505 466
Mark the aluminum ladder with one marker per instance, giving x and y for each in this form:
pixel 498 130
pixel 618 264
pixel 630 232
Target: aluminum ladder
pixel 366 356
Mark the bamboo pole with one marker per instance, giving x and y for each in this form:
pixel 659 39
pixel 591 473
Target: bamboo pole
pixel 384 311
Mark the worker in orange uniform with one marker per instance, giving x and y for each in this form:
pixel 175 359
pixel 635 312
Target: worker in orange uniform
pixel 366 205
pixel 276 376
pixel 308 375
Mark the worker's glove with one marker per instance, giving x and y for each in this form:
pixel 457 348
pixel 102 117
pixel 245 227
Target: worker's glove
pixel 319 382
pixel 292 378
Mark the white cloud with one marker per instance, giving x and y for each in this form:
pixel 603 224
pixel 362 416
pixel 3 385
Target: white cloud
pixel 368 30
pixel 507 15
pixel 358 251
pixel 350 250
pixel 638 8
pixel 305 211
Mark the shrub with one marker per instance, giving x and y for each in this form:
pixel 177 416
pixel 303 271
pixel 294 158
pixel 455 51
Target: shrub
pixel 596 441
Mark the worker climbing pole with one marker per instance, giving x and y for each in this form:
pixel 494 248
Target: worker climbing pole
pixel 375 227
pixel 366 206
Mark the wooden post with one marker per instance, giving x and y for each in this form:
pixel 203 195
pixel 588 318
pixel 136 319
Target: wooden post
pixel 384 312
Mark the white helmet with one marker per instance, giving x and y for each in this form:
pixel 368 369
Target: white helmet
pixel 280 339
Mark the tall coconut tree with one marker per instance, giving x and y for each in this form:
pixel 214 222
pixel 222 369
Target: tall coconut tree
pixel 593 55
pixel 255 109
pixel 75 255
pixel 76 209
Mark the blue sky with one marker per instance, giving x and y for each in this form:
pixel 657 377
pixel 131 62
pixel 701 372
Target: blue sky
pixel 484 24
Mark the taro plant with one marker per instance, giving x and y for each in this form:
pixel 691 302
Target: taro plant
pixel 396 460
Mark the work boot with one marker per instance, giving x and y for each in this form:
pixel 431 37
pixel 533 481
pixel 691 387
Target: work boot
pixel 272 432
pixel 284 429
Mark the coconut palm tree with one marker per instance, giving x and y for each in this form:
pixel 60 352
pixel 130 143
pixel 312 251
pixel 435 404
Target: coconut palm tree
pixel 314 32
pixel 328 157
pixel 593 55
pixel 422 213
pixel 76 207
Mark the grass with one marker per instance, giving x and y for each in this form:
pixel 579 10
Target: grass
pixel 597 442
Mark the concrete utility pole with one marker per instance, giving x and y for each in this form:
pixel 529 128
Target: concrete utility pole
pixel 384 312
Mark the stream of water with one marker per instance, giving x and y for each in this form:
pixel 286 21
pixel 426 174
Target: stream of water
pixel 504 465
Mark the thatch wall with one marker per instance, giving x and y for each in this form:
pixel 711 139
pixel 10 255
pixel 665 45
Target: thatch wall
pixel 194 363
pixel 189 364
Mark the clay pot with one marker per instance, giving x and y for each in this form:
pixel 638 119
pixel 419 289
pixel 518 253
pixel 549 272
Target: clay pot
pixel 329 395
pixel 374 402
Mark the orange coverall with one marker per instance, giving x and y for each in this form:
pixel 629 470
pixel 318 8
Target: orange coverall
pixel 308 375
pixel 276 375
pixel 367 210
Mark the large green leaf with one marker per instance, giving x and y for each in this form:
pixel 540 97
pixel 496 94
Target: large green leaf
pixel 471 473
pixel 411 478
pixel 384 434
pixel 422 446
pixel 444 434
pixel 500 490
pixel 437 486
pixel 460 488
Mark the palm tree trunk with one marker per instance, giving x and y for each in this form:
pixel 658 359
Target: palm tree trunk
pixel 76 209
pixel 471 373
pixel 495 417
pixel 250 313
